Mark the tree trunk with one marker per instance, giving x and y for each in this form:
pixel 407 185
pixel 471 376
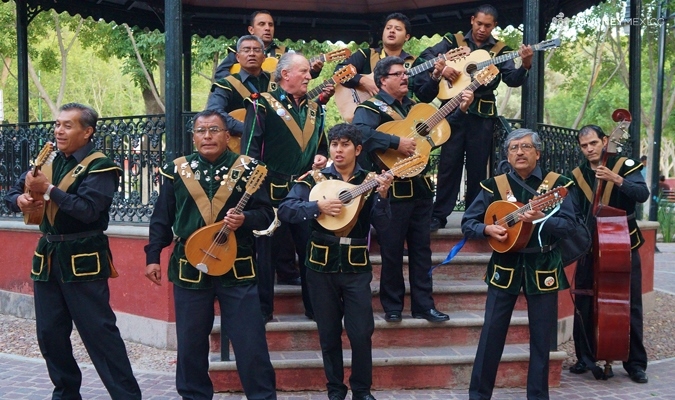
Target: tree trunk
pixel 151 104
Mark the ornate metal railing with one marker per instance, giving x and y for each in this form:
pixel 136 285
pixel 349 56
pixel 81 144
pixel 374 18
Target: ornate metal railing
pixel 136 144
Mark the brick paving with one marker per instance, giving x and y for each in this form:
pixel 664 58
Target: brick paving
pixel 26 378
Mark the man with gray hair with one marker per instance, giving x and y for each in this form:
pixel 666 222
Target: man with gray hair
pixel 537 268
pixel 284 129
pixel 228 93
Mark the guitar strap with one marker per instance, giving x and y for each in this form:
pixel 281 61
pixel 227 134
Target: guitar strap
pixel 459 38
pixel 238 86
pixel 68 179
pixel 375 57
pixel 499 45
pixel 210 209
pixel 504 187
pixel 301 136
pixel 387 109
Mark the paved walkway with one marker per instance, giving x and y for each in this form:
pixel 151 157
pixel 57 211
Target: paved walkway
pixel 24 378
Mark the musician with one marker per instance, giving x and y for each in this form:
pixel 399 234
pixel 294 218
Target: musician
pixel 72 262
pixel 411 198
pixel 474 135
pixel 627 187
pixel 397 31
pixel 284 129
pixel 338 266
pixel 261 24
pixel 228 93
pixel 193 188
pixel 537 270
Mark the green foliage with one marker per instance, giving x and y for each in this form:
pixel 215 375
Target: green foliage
pixel 666 218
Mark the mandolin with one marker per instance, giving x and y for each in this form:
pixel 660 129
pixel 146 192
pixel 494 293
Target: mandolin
pixel 507 213
pixel 347 99
pixel 45 157
pixel 476 61
pixel 351 195
pixel 212 249
pixel 426 124
pixel 270 63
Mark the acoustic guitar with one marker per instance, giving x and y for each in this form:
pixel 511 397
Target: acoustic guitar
pixel 347 99
pixel 351 195
pixel 235 141
pixel 507 213
pixel 340 76
pixel 426 124
pixel 270 63
pixel 45 157
pixel 212 249
pixel 476 61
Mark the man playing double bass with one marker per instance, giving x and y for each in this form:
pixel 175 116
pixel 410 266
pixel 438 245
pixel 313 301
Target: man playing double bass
pixel 625 187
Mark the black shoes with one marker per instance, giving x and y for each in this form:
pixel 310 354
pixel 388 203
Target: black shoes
pixel 432 315
pixel 436 224
pixel 292 281
pixel 366 397
pixel 392 316
pixel 639 376
pixel 579 368
pixel 335 397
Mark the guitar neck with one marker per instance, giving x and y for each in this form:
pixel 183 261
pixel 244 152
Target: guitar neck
pixel 362 188
pixel 449 106
pixel 317 90
pixel 237 210
pixel 503 58
pixel 427 65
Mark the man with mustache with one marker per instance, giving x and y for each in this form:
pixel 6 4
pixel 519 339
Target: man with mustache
pixel 473 137
pixel 411 198
pixel 261 24
pixel 284 129
pixel 537 269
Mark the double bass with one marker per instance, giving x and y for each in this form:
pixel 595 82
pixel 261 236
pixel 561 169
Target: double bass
pixel 611 264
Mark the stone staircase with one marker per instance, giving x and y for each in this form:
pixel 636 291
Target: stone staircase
pixel 412 354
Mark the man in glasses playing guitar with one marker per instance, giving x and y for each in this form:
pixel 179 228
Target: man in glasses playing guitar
pixel 261 24
pixel 473 137
pixel 338 267
pixel 536 268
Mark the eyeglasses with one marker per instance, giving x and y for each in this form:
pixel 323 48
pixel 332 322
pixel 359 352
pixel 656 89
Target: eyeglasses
pixel 398 74
pixel 214 130
pixel 523 146
pixel 248 50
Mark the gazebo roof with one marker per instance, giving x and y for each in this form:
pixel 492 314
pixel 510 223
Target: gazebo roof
pixel 346 20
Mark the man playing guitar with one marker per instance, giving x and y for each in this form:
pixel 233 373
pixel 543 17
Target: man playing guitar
pixel 474 135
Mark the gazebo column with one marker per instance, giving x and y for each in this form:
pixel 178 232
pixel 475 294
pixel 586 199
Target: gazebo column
pixel 174 81
pixel 22 57
pixel 532 103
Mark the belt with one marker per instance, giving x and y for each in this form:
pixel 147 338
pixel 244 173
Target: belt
pixel 543 249
pixel 279 175
pixel 71 236
pixel 341 240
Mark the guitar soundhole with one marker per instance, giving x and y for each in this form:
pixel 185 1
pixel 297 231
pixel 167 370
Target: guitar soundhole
pixel 471 68
pixel 345 197
pixel 220 238
pixel 422 129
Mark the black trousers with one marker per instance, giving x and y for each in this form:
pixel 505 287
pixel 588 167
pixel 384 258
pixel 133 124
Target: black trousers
pixel 542 312
pixel 87 304
pixel 240 315
pixel 410 224
pixel 583 318
pixel 278 253
pixel 473 138
pixel 333 296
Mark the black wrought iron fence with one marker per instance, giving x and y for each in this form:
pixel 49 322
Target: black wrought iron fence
pixel 136 144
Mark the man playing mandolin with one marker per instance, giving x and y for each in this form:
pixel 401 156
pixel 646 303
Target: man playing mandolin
pixel 199 190
pixel 72 262
pixel 338 266
pixel 625 187
pixel 536 269
pixel 473 137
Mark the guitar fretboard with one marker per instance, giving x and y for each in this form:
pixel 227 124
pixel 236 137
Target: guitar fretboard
pixel 312 94
pixel 512 55
pixel 359 190
pixel 427 65
pixel 448 108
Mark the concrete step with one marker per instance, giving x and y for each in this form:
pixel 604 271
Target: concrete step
pixel 464 266
pixel 449 296
pixel 295 332
pixel 442 241
pixel 400 368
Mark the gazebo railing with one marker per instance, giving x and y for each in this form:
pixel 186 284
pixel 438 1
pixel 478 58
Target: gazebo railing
pixel 136 144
